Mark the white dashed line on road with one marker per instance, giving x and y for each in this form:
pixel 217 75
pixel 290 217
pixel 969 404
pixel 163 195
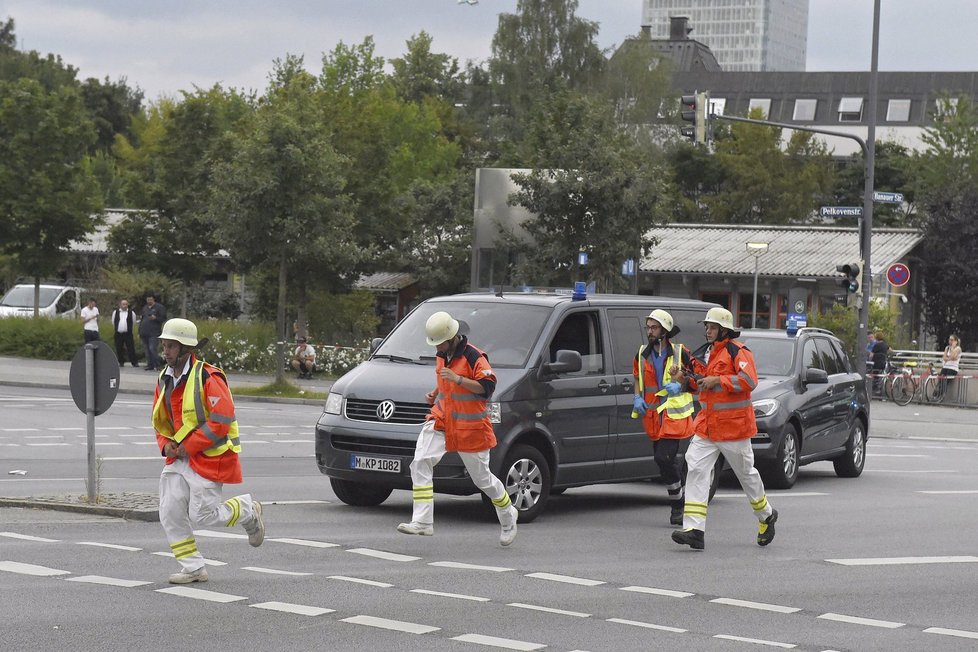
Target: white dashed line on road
pixel 27 537
pixel 549 610
pixel 306 542
pixel 960 633
pixel 108 581
pixel 382 554
pixel 357 580
pixel 457 596
pixel 31 569
pixel 201 594
pixel 947 493
pixel 896 561
pixel 639 623
pixel 665 592
pixel 287 607
pixel 756 605
pixel 856 620
pixel 114 546
pixel 758 641
pixel 495 641
pixel 272 571
pixel 463 566
pixel 396 625
pixel 566 579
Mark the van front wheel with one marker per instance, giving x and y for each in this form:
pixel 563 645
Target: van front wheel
pixel 526 476
pixel 359 494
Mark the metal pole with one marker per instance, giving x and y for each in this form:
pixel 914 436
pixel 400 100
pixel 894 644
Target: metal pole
pixel 753 319
pixel 90 416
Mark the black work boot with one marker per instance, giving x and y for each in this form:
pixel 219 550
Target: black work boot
pixel 676 513
pixel 765 529
pixel 691 538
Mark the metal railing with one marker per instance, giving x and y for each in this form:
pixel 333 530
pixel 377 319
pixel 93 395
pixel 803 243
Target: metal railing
pixel 962 390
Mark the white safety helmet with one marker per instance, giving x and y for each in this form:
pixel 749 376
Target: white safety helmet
pixel 664 319
pixel 180 330
pixel 440 327
pixel 720 317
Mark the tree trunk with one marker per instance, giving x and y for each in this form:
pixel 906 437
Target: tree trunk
pixel 280 333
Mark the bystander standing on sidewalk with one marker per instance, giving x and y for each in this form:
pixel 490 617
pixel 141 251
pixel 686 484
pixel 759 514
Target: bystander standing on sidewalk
pixel 89 317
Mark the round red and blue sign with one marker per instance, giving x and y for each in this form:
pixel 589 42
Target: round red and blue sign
pixel 898 274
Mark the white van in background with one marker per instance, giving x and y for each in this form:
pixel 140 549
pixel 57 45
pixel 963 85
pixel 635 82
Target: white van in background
pixel 55 301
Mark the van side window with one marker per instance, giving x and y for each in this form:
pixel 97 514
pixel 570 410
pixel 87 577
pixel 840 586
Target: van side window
pixel 627 334
pixel 580 331
pixel 66 302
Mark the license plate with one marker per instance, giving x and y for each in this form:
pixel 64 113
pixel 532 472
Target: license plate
pixel 364 463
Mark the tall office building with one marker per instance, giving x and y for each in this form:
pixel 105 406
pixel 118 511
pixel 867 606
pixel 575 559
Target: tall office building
pixel 749 35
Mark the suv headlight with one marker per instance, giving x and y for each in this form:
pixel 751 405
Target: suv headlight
pixel 334 403
pixel 765 407
pixel 495 412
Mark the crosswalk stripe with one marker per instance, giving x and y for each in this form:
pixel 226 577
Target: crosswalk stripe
pixel 549 610
pixel 495 641
pixel 638 623
pixel 381 554
pixel 396 625
pixel 357 580
pixel 961 633
pixel 666 592
pixel 756 605
pixel 757 641
pixel 463 566
pixel 856 620
pixel 306 542
pixel 895 561
pixel 108 581
pixel 301 609
pixel 457 596
pixel 201 594
pixel 566 579
pixel 31 569
pixel 273 571
pixel 27 537
pixel 114 546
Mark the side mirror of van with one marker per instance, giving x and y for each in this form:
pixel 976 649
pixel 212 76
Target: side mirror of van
pixel 567 362
pixel 374 343
pixel 816 377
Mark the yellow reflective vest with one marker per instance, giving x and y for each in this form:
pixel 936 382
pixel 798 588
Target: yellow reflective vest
pixel 195 413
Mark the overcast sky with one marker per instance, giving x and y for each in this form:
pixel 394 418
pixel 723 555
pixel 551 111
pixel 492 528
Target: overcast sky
pixel 166 46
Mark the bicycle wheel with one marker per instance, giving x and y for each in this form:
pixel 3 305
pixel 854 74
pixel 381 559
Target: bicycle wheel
pixel 888 387
pixel 904 388
pixel 931 389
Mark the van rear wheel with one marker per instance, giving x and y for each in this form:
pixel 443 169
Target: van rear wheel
pixel 526 476
pixel 359 494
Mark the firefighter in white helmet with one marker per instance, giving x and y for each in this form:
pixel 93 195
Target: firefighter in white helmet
pixel 196 428
pixel 664 405
pixel 724 425
pixel 458 421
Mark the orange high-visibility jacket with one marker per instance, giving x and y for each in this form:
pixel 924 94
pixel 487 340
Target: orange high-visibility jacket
pixel 667 424
pixel 727 413
pixel 219 417
pixel 460 414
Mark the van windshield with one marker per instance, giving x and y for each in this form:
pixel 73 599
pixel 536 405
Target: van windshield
pixel 506 332
pixel 22 296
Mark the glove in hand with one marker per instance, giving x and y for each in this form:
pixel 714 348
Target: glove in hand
pixel 639 405
pixel 673 389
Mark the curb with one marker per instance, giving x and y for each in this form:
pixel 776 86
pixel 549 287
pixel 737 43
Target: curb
pixel 146 514
pixel 144 392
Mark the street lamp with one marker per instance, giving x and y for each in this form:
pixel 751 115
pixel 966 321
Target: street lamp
pixel 755 249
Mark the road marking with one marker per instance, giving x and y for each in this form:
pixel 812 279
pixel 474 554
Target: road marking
pixel 549 610
pixel 306 542
pixel 115 427
pixel 943 493
pixel 108 581
pixel 272 571
pixel 215 534
pixel 201 594
pixel 52 443
pixel 797 494
pixel 288 607
pixel 495 641
pixel 31 569
pixel 36 436
pixel 27 537
pixel 665 592
pixel 763 606
pixel 110 443
pixel 396 625
pixel 381 554
pixel 463 566
pixel 639 623
pixel 23 430
pixel 295 441
pixel 357 580
pixel 114 546
pixel 855 620
pixel 207 562
pixel 894 455
pixel 893 561
pixel 256 441
pixel 758 641
pixel 906 471
pixel 298 502
pixel 566 579
pixel 458 596
pixel 951 632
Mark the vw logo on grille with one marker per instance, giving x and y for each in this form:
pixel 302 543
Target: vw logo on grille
pixel 385 410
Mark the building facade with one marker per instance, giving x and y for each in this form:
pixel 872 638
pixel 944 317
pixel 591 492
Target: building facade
pixel 745 35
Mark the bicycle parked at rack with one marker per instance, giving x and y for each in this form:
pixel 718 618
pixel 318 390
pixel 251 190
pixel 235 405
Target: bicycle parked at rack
pixel 900 384
pixel 935 386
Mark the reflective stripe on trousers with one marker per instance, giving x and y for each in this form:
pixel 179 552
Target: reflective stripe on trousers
pixel 700 458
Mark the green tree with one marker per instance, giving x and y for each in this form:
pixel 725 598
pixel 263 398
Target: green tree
pixel 48 195
pixel 892 172
pixel 112 106
pixel 947 178
pixel 278 199
pixel 594 188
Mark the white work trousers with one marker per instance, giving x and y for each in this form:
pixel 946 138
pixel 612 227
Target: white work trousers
pixel 188 500
pixel 700 458
pixel 428 452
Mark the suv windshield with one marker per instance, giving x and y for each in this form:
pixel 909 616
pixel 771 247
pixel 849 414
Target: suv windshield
pixel 22 296
pixel 506 332
pixel 773 357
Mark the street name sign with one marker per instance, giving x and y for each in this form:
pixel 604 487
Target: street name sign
pixel 888 197
pixel 841 211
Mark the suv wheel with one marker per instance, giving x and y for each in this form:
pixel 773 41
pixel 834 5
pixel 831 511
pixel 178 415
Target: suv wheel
pixel 783 471
pixel 358 494
pixel 851 463
pixel 526 476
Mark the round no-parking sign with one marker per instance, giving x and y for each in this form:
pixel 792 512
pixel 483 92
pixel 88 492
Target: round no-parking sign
pixel 898 274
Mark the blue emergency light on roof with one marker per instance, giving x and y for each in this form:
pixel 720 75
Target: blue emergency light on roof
pixel 580 291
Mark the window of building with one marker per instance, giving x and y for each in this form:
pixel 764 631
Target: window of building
pixel 745 310
pixel 946 106
pixel 850 109
pixel 764 104
pixel 898 111
pixel 717 105
pixel 804 110
pixel 723 298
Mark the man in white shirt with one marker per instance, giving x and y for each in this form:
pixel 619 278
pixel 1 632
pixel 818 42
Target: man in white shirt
pixel 89 317
pixel 304 358
pixel 122 327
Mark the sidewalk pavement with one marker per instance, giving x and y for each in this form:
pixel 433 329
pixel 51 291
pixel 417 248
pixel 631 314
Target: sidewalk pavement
pixel 28 372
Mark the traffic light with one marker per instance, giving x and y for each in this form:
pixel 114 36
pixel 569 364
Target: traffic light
pixel 853 281
pixel 694 110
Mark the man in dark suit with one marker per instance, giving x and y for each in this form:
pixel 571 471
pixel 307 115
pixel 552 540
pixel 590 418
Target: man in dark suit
pixel 122 327
pixel 150 328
